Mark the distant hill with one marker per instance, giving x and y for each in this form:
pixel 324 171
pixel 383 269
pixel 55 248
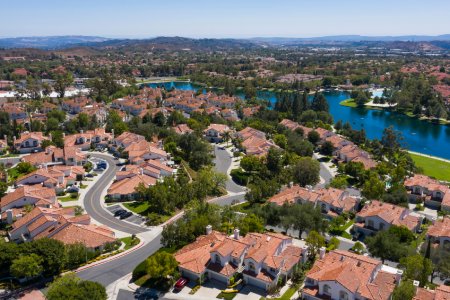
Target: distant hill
pixel 353 38
pixel 49 42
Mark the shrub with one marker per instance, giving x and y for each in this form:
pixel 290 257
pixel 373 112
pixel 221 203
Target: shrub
pixel 140 270
pixel 239 176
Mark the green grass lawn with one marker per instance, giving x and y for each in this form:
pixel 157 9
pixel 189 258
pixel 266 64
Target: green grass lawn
pixel 226 296
pixel 140 208
pixel 129 242
pixel 68 198
pixel 349 102
pixel 432 167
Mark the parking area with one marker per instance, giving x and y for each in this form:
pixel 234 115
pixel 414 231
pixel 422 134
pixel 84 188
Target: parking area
pixel 136 219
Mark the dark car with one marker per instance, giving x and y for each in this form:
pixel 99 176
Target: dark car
pixel 180 284
pixel 126 215
pixel 90 175
pixel 119 212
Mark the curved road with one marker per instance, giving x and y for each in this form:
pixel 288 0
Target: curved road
pixel 93 201
pixel 112 271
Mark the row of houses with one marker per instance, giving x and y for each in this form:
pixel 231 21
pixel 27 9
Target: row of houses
pixel 344 150
pixel 263 259
pixel 147 163
pixel 424 189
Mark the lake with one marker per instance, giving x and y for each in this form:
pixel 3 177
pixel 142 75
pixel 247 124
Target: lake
pixel 419 136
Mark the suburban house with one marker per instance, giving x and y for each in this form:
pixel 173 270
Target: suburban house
pixel 378 215
pixel 439 233
pixel 56 177
pixel 261 258
pixel 254 141
pixel 442 292
pixel 75 106
pixel 124 187
pixel 215 132
pixel 125 139
pixel 141 151
pixel 30 142
pixel 52 155
pixel 33 195
pixel 61 224
pixel 433 193
pixel 84 140
pixel 352 153
pixel 15 112
pixel 182 129
pixel 332 201
pixel 347 276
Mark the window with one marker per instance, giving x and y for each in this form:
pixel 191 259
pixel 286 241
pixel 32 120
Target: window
pixel 326 289
pixel 217 259
pixel 27 144
pixel 251 266
pixel 343 295
pixel 370 223
pixel 381 226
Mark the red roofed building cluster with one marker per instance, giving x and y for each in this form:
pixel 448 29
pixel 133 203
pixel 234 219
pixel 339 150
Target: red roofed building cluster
pixel 378 215
pixel 261 258
pixel 345 275
pixel 331 201
pixel 431 191
pixel 254 142
pixel 439 233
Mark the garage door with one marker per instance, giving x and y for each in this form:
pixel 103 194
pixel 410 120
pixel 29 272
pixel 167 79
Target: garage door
pixel 256 282
pixel 218 277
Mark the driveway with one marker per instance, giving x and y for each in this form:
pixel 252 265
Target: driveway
pixel 249 292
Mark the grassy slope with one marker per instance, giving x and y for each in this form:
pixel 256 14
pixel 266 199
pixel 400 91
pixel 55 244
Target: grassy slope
pixel 433 167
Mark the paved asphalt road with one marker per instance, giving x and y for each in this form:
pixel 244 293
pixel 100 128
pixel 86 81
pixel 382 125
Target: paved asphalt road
pixel 92 200
pixel 111 271
pixel 222 163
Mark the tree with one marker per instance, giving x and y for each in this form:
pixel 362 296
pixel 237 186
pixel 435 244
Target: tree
pixel 53 254
pixel 417 268
pixel 313 137
pixel 404 291
pixel 358 248
pixel 391 141
pixel 306 171
pixel 314 241
pixel 61 83
pixel 386 245
pixel 333 243
pixel 327 148
pixel 71 287
pixel 251 163
pixel 161 265
pixel 373 188
pixel 26 266
pixel 319 103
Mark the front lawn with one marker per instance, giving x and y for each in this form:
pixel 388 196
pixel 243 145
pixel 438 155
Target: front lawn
pixel 70 197
pixel 130 242
pixel 226 296
pixel 432 167
pixel 138 207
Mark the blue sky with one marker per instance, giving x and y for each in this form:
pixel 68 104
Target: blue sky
pixel 230 18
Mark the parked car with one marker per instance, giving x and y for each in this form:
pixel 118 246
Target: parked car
pixel 72 189
pixel 126 215
pixel 119 212
pixel 89 175
pixel 180 284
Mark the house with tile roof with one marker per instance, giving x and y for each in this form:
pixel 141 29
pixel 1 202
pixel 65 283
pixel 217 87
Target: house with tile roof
pixel 61 224
pixel 433 193
pixel 439 233
pixel 215 132
pixel 254 141
pixel 125 139
pixel 97 138
pixel 182 129
pixel 442 292
pixel 331 201
pixel 261 258
pixel 377 215
pixel 344 275
pixel 124 187
pixel 30 142
pixel 70 156
pixel 34 195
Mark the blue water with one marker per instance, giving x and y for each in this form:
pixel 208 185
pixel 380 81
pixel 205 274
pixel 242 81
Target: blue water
pixel 419 136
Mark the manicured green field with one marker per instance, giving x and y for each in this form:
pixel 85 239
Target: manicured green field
pixel 432 167
pixel 137 207
pixel 349 102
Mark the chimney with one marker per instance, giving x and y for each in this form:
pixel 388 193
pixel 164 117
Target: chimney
pixel 64 134
pixel 236 234
pixel 322 252
pixel 112 133
pixel 309 187
pixel 398 276
pixel 14 138
pixel 5 137
pixel 416 284
pixel 9 216
pixel 208 229
pixel 81 130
